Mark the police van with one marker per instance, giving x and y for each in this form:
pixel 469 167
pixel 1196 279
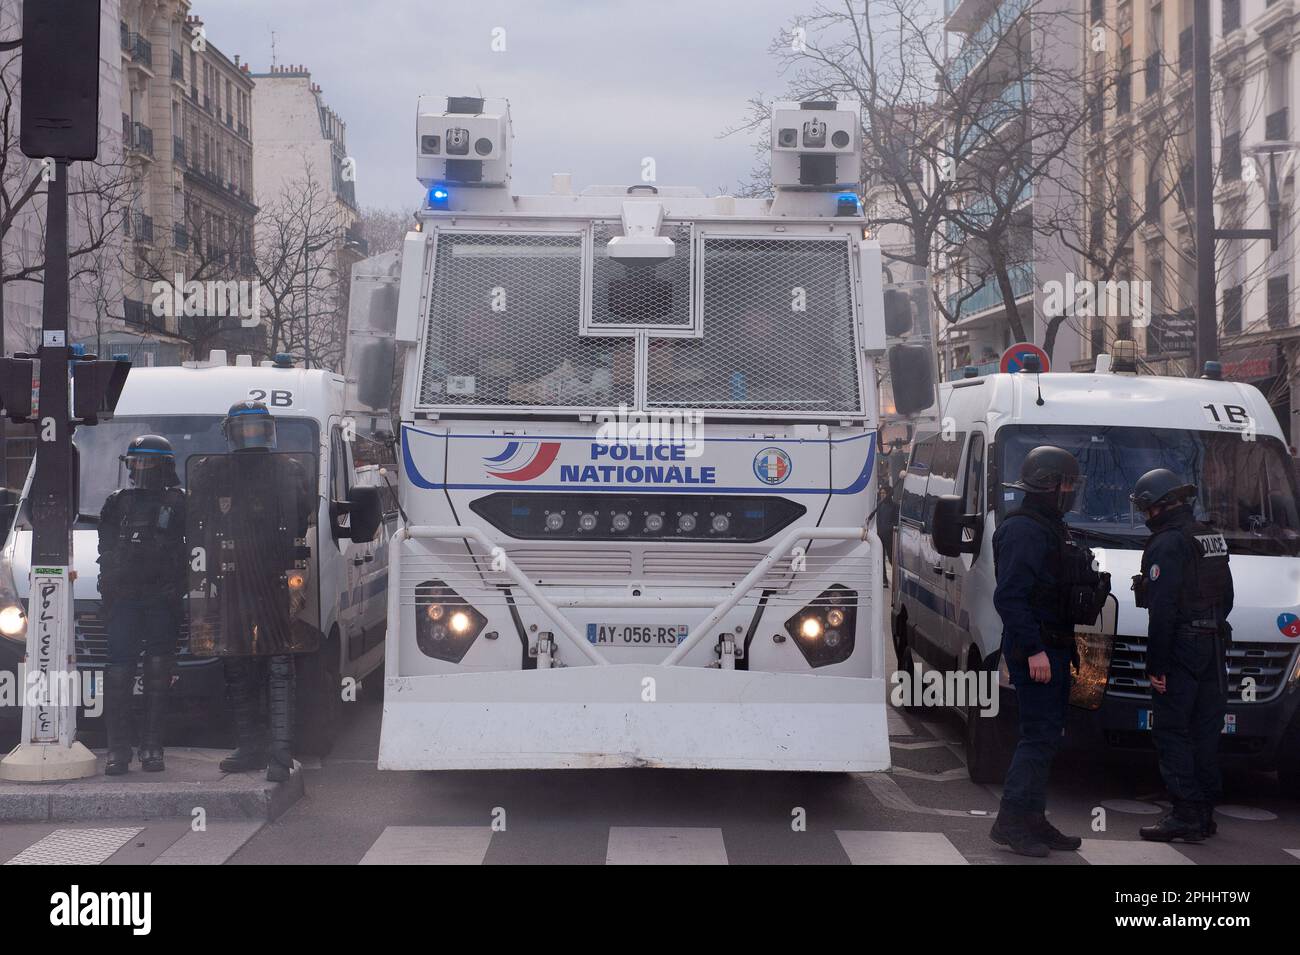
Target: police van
pixel 346 579
pixel 1220 435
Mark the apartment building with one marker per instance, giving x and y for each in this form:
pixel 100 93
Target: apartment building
pixel 995 44
pixel 1139 157
pixel 301 140
pixel 187 132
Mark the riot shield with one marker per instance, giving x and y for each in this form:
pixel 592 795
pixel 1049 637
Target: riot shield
pixel 250 524
pixel 1093 647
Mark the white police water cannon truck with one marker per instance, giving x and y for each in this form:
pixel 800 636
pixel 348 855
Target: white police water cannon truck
pixel 637 462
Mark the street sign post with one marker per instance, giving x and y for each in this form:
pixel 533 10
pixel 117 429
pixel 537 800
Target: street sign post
pixel 60 122
pixel 1013 359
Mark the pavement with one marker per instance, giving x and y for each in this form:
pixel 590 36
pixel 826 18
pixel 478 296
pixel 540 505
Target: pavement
pixel 191 785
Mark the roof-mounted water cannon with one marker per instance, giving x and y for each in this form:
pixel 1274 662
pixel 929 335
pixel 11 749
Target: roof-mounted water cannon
pixel 462 142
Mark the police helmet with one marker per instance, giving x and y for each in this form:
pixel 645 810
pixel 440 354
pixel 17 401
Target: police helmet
pixel 249 427
pixel 1160 486
pixel 1046 468
pixel 150 462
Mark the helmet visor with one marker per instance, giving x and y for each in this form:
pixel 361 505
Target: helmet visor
pixel 250 432
pixel 147 471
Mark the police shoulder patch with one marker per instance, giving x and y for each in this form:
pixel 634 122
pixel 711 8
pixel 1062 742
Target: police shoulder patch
pixel 1155 571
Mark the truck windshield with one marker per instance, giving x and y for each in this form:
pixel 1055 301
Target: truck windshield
pixel 1245 488
pixel 100 447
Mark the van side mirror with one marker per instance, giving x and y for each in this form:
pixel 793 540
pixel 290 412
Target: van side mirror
pixel 953 530
pixel 365 514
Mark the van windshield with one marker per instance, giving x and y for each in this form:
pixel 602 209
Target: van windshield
pixel 1245 488
pixel 100 448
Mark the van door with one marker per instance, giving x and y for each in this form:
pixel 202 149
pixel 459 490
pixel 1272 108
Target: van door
pixel 959 571
pixel 921 587
pixel 350 557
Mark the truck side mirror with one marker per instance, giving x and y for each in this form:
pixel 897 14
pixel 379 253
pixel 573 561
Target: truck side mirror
pixel 953 530
pixel 911 377
pixel 365 514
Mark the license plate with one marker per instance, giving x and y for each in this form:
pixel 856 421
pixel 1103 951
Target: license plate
pixel 1229 721
pixel 636 635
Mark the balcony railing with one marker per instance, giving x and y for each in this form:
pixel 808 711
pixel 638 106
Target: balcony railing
pixel 1185 50
pixel 140 227
pixel 989 295
pixel 1275 125
pixel 1153 73
pixel 1011 103
pixel 141 50
pixel 140 139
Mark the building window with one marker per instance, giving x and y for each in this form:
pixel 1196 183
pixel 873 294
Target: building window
pixel 1232 310
pixel 1279 302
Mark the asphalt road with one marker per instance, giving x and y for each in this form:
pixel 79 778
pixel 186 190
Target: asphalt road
pixel 924 810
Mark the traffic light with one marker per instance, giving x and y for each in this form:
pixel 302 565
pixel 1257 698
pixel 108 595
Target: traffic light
pixel 96 386
pixel 60 79
pixel 16 388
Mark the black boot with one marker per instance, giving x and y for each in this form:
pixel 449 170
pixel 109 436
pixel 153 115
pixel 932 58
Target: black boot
pixel 241 686
pixel 157 684
pixel 280 697
pixel 1208 826
pixel 1011 829
pixel 1052 837
pixel 119 680
pixel 1180 824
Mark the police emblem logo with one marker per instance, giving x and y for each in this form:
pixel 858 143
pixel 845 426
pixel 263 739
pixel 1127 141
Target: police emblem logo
pixel 223 504
pixel 772 466
pixel 1155 571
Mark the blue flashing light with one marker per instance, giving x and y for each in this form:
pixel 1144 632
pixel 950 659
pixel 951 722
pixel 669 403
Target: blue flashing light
pixel 438 195
pixel 846 204
pixel 78 350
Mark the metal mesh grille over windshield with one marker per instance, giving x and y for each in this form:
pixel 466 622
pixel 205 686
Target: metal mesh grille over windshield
pixel 503 327
pixel 641 295
pixel 778 332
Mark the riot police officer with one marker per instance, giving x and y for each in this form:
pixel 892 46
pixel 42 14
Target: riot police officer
pixel 1186 587
pixel 1045 584
pixel 249 513
pixel 142 584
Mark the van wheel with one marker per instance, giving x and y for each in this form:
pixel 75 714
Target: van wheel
pixel 1288 761
pixel 319 698
pixel 988 754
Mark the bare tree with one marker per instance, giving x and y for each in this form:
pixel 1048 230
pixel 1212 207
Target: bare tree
pixel 384 229
pixel 300 236
pixel 962 140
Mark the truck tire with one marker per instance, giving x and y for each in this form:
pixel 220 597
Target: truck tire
pixel 988 750
pixel 1288 761
pixel 318 697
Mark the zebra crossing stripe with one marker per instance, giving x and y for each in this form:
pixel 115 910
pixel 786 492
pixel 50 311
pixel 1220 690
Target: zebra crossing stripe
pixel 864 847
pixel 650 845
pixel 1131 852
pixel 429 845
pixel 75 846
pixel 214 846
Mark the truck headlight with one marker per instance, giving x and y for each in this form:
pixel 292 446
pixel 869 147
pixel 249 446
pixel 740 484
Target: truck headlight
pixel 823 630
pixel 446 626
pixel 13 622
pixel 13 617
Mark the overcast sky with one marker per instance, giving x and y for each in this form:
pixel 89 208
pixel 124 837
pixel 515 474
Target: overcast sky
pixel 593 86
